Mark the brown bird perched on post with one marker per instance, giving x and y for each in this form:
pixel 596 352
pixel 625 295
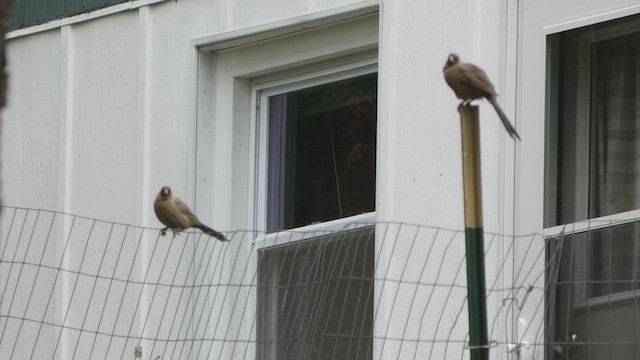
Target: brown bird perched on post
pixel 175 215
pixel 470 82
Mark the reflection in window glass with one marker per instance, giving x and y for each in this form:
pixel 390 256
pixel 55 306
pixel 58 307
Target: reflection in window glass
pixel 322 153
pixel 615 125
pixel 593 121
pixel 593 146
pixel 592 169
pixel 593 279
pixel 613 260
pixel 315 298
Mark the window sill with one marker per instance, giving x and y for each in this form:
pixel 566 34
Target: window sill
pixel 314 230
pixel 608 301
pixel 592 224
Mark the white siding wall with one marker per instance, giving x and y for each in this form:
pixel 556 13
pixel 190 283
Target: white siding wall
pixel 115 108
pixel 421 177
pixel 31 131
pixel 102 113
pixel 104 109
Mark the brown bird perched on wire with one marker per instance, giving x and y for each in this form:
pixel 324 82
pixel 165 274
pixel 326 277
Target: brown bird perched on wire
pixel 175 215
pixel 470 82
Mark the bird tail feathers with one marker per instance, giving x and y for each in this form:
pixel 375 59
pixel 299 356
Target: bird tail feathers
pixel 505 120
pixel 209 231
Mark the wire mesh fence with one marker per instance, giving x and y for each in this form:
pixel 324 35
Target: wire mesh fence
pixel 80 288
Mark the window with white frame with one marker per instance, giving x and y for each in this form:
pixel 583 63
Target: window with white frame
pixel 315 298
pixel 592 187
pixel 321 151
pixel 294 119
pixel 316 154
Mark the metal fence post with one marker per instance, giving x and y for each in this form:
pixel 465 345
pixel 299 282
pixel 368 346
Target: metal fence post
pixel 474 233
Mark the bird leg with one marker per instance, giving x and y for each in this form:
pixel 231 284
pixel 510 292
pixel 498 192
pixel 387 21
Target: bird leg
pixel 464 103
pixel 163 232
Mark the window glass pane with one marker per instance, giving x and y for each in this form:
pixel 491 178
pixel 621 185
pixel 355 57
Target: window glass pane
pixel 592 159
pixel 322 153
pixel 315 298
pixel 612 255
pixel 592 169
pixel 613 260
pixel 615 120
pixel 592 276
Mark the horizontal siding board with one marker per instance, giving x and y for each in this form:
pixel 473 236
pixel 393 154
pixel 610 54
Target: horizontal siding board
pixel 34 12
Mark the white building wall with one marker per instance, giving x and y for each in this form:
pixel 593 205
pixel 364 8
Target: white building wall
pixel 102 113
pixel 421 144
pixel 420 153
pixel 31 134
pixel 127 79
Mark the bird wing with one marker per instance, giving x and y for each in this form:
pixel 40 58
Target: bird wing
pixel 184 210
pixel 474 76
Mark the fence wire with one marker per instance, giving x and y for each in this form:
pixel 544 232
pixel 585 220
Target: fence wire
pixel 80 288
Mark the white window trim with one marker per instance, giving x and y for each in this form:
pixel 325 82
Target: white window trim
pixel 227 69
pixel 583 142
pixel 296 236
pixel 272 30
pixel 606 14
pixel 592 224
pixel 534 24
pixel 531 108
pixel 225 102
pixel 582 196
pixel 262 90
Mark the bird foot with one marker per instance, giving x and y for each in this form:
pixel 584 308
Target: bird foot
pixel 466 104
pixel 163 232
pixel 175 233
